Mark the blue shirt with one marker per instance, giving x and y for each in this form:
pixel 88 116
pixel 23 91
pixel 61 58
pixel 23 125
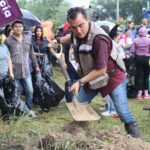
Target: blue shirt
pixel 4 56
pixel 133 34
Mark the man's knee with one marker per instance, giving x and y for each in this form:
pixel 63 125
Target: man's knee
pixel 30 90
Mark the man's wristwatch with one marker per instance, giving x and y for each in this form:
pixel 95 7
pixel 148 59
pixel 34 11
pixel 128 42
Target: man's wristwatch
pixel 80 82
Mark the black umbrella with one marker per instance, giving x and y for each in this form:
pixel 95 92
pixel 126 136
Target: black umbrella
pixel 29 19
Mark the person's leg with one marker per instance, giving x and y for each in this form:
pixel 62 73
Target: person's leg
pixel 146 76
pixel 139 76
pixel 84 97
pixel 112 107
pixel 16 95
pixel 107 98
pixel 119 98
pixel 17 102
pixel 27 84
pixel 110 111
pixel 3 104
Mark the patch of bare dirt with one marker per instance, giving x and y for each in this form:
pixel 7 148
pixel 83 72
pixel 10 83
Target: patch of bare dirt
pixel 79 136
pixel 11 146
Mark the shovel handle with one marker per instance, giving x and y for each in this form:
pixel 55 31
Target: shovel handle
pixel 57 55
pixel 59 58
pixel 63 68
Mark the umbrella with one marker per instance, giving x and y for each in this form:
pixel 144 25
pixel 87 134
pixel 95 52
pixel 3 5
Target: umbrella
pixel 111 25
pixel 107 23
pixel 29 19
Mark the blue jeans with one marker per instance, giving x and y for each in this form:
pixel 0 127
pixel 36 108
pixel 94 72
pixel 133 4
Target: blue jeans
pixel 26 84
pixel 110 104
pixel 119 98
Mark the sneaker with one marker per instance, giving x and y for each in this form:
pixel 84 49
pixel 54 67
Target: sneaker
pixel 113 113
pixel 32 114
pixel 102 109
pixel 108 113
pixel 139 97
pixel 146 96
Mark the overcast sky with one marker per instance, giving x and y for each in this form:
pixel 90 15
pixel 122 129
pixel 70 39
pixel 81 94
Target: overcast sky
pixel 84 3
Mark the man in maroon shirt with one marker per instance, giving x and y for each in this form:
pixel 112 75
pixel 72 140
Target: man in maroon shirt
pixel 92 49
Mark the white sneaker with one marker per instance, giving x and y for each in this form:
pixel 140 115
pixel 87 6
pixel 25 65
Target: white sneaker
pixel 32 114
pixel 113 113
pixel 108 113
pixel 102 109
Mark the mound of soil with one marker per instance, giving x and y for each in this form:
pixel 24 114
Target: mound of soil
pixel 79 136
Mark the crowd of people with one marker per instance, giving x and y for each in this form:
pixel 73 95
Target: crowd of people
pixel 102 59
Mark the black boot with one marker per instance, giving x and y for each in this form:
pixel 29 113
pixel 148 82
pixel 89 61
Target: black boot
pixel 133 130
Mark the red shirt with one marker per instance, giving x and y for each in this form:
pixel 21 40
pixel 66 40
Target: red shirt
pixel 101 51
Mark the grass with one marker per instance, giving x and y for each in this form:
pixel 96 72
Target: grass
pixel 26 128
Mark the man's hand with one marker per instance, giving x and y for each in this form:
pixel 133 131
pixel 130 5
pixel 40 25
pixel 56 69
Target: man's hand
pixel 75 88
pixel 37 69
pixel 11 76
pixel 52 43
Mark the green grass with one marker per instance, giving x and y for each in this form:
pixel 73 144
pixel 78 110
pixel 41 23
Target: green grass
pixel 26 128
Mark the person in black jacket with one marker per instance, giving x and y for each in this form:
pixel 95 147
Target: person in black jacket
pixel 42 52
pixel 49 91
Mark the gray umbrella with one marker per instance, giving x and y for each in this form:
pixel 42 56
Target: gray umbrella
pixel 29 19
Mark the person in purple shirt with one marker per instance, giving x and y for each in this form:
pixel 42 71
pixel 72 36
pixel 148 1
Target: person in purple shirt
pixel 141 49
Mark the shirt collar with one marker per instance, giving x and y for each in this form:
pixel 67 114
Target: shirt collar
pixel 14 38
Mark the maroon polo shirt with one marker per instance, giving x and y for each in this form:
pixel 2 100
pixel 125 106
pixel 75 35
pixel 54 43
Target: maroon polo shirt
pixel 101 51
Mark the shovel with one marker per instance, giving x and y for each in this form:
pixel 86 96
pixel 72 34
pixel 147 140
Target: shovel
pixel 79 111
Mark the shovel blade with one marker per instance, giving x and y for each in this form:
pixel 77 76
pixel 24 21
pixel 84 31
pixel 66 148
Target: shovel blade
pixel 82 112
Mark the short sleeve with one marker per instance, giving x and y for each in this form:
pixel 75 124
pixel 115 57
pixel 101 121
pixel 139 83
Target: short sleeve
pixel 7 51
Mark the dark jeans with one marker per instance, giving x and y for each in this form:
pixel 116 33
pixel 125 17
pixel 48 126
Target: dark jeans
pixel 142 72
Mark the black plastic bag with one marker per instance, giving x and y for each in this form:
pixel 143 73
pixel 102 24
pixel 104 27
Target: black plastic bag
pixel 46 94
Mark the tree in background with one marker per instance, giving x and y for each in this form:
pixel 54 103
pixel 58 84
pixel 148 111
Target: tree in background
pixel 55 10
pixel 129 9
pixel 133 9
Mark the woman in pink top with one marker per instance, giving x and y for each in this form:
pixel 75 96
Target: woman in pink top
pixel 141 49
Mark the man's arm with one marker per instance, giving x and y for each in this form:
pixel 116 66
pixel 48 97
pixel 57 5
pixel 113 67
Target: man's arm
pixel 89 77
pixel 33 58
pixel 10 68
pixel 66 39
pixel 100 57
pixel 93 75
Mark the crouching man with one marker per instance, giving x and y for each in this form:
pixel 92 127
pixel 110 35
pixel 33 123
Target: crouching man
pixel 92 50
